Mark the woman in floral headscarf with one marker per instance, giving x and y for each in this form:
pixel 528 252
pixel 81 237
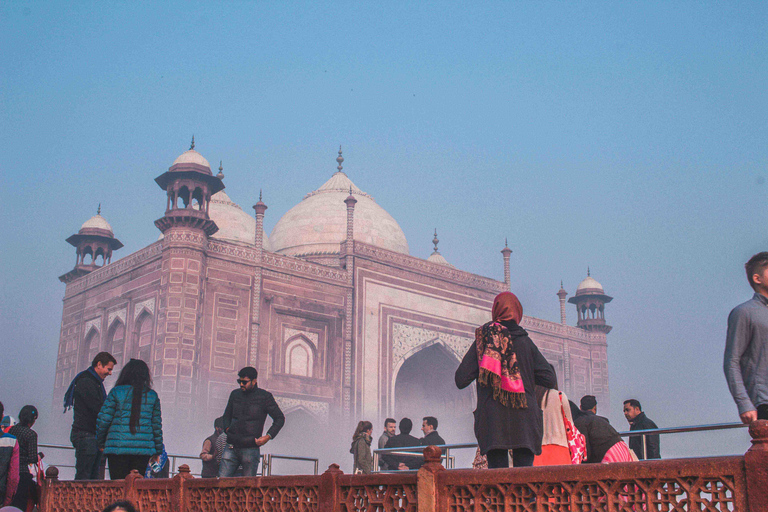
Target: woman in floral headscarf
pixel 507 367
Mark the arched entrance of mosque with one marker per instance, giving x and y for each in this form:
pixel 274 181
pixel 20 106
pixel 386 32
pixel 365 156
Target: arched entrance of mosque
pixel 424 386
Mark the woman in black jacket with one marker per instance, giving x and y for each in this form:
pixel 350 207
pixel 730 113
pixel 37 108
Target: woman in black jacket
pixel 507 366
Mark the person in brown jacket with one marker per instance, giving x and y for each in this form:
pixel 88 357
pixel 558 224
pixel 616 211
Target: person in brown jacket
pixel 361 448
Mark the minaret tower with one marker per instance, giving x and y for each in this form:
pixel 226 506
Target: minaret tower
pixel 186 226
pixel 590 301
pixel 94 242
pixel 561 294
pixel 507 252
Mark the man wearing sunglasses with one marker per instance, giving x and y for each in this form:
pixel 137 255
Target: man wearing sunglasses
pixel 244 417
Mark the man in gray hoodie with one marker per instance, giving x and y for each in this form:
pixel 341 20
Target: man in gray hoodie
pixel 746 346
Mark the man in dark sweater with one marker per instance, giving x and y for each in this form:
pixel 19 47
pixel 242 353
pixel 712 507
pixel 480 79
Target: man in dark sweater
pixel 639 421
pixel 402 440
pixel 87 394
pixel 244 418
pixel 598 433
pixel 429 428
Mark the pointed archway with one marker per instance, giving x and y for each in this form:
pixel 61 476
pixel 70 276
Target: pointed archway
pixel 424 386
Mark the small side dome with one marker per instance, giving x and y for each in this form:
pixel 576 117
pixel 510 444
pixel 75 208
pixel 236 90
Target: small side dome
pixel 96 222
pixel 589 285
pixel 234 224
pixel 192 157
pixel 438 258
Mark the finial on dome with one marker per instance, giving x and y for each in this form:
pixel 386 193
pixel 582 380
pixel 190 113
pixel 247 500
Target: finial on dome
pixel 259 194
pixel 435 241
pixel 561 283
pixel 98 210
pixel 192 146
pixel 588 274
pixel 221 171
pixel 340 160
pixel 505 242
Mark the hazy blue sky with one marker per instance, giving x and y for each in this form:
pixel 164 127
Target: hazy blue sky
pixel 625 136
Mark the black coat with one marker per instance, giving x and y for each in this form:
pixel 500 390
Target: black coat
pixel 246 414
pixel 402 441
pixel 88 399
pixel 433 438
pixel 498 426
pixel 643 422
pixel 598 433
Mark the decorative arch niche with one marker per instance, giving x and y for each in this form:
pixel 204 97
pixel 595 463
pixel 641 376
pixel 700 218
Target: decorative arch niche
pixel 299 356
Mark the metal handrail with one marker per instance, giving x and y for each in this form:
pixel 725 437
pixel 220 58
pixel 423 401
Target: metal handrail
pixel 267 464
pixel 266 459
pixel 408 450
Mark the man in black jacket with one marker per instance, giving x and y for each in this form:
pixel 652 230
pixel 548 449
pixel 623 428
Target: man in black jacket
pixel 244 417
pixel 86 394
pixel 639 421
pixel 429 428
pixel 402 440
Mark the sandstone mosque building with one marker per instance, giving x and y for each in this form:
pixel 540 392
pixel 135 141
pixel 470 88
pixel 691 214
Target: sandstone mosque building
pixel 340 321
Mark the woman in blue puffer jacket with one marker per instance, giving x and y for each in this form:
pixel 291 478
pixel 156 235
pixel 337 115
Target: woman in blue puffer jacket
pixel 129 427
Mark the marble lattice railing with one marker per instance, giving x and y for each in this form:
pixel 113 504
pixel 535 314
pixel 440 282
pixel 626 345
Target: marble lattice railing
pixel 736 483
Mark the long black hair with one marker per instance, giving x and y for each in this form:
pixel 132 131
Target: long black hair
pixel 135 374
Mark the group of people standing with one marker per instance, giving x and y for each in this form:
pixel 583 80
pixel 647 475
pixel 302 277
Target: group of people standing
pixel 521 414
pixel 362 438
pixel 126 424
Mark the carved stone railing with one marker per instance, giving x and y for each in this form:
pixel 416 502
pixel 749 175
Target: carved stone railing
pixel 736 483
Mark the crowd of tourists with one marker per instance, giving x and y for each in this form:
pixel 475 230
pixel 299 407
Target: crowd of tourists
pixel 520 416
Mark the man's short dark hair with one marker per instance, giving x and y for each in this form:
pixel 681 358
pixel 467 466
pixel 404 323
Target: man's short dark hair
pixel 2 411
pixel 634 403
pixel 219 423
pixel 121 505
pixel 405 426
pixel 28 415
pixel 249 372
pixel 431 421
pixel 588 402
pixel 104 358
pixel 388 421
pixel 756 265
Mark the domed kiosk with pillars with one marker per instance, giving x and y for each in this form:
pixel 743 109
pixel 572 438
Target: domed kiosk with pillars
pixel 590 301
pixel 339 319
pixel 95 242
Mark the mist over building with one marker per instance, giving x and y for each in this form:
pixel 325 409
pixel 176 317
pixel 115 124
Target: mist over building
pixel 341 322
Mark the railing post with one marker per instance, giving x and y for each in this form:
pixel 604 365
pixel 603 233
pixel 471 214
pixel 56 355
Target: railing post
pixel 179 499
pixel 130 487
pixel 46 493
pixel 426 480
pixel 756 465
pixel 328 491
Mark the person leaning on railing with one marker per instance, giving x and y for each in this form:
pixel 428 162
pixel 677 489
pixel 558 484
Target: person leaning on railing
pixel 745 361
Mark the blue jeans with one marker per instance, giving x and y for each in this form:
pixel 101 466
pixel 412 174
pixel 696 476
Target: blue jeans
pixel 87 455
pixel 234 457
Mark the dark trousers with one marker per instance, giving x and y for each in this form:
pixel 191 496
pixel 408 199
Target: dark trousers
pixel 121 465
pixel 87 455
pixel 762 412
pixel 25 489
pixel 521 457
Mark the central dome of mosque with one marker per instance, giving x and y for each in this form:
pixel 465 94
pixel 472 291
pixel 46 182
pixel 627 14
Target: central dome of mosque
pixel 318 224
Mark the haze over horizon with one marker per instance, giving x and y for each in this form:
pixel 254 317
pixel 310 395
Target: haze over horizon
pixel 627 138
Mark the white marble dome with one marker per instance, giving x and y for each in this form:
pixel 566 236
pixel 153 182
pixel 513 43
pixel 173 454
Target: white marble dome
pixel 234 224
pixel 192 157
pixel 318 224
pixel 97 222
pixel 589 284
pixel 438 258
